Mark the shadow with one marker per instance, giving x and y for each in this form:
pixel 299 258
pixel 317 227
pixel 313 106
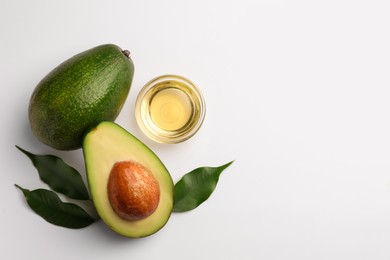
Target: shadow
pixel 108 236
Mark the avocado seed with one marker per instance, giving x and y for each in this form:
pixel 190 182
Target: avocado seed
pixel 132 190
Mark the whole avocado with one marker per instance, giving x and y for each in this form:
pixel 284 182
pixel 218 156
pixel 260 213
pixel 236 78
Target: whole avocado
pixel 84 90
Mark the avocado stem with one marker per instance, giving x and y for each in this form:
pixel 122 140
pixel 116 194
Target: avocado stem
pixel 126 53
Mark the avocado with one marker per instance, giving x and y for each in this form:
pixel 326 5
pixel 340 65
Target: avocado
pixel 130 187
pixel 84 90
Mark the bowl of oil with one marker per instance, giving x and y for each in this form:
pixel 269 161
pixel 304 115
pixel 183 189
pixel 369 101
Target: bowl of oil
pixel 170 109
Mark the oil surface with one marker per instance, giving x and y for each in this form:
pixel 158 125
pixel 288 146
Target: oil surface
pixel 170 109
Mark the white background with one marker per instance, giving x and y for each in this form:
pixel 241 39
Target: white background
pixel 297 94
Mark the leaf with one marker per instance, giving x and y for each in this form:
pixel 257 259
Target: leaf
pixel 58 175
pixel 48 205
pixel 196 187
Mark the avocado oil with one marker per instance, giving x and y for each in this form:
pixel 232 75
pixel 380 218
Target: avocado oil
pixel 170 109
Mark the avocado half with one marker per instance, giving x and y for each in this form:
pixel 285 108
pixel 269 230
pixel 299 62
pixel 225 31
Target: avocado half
pixel 107 145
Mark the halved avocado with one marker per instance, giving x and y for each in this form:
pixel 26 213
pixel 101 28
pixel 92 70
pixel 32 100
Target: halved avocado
pixel 108 147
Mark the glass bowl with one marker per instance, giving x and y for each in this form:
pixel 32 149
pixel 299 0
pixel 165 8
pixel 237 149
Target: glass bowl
pixel 170 109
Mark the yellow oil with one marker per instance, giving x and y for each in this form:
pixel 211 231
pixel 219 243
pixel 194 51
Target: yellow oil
pixel 170 109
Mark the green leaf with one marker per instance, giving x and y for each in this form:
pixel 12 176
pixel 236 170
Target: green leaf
pixel 48 205
pixel 58 175
pixel 196 187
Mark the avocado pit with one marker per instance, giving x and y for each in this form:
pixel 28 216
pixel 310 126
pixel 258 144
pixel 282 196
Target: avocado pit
pixel 133 191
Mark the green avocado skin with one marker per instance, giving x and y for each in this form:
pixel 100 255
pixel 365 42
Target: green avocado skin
pixel 84 90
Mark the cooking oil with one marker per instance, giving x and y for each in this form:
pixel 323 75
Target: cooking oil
pixel 170 109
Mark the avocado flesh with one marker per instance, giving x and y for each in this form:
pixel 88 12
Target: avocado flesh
pixel 107 144
pixel 84 90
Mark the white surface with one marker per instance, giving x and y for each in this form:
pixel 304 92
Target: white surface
pixel 297 93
